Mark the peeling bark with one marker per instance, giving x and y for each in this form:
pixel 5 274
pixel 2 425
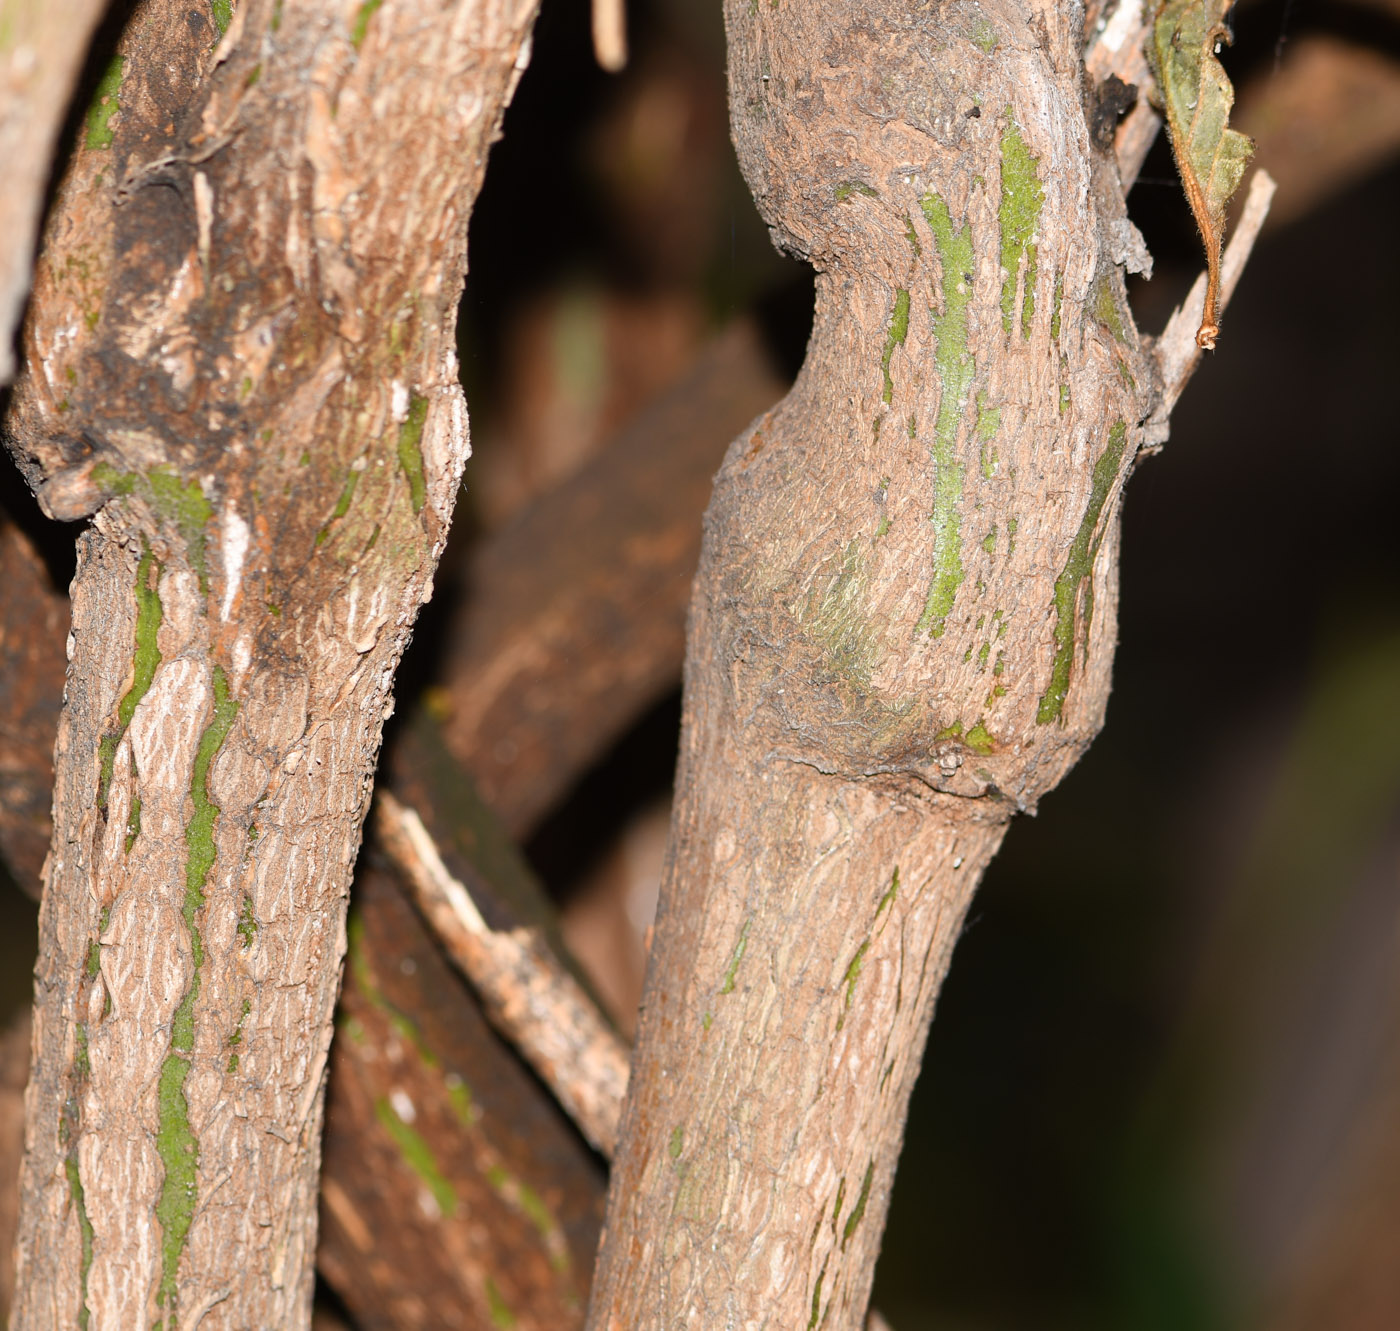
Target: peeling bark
pixel 241 358
pixel 901 634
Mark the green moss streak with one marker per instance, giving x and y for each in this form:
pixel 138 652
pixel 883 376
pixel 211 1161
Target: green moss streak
pixel 360 27
pixel 133 823
pixel 899 330
pixel 544 1221
pixel 1106 309
pixel 979 739
pixel 858 1210
pixel 183 504
pixel 989 541
pixel 740 948
pixel 106 102
pixel 342 505
pixel 145 659
pixel 179 1154
pixel 94 959
pixel 499 1309
pixel 1011 526
pixel 677 1143
pixel 1056 302
pixel 1078 567
pixel 459 1096
pixel 912 237
pixel 458 1092
pixel 956 368
pixel 410 450
pixel 1021 198
pixel 417 1154
pixel 175 1140
pixel 846 188
pixel 222 13
pixel 850 978
pixel 236 1038
pixel 75 1192
pixel 817 1296
pixel 891 893
pixel 247 923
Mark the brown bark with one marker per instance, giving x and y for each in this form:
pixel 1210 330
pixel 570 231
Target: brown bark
pixel 241 355
pixel 33 619
pixel 592 582
pixel 453 1188
pixel 41 55
pixel 901 633
pixel 487 1133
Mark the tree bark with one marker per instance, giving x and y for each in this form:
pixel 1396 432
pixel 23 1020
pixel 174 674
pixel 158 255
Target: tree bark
pixel 241 357
pixel 901 633
pixel 41 56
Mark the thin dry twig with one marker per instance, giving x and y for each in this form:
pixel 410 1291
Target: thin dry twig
pixel 1177 352
pixel 531 999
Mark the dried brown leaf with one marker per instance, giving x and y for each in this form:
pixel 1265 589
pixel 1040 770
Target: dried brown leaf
pixel 1197 99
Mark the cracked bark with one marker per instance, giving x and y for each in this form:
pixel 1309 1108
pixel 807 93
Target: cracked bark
pixel 241 358
pixel 901 633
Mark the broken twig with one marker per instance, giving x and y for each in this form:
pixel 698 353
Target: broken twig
pixel 531 999
pixel 1178 352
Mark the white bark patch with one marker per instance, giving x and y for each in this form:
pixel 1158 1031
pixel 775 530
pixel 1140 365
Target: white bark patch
pixel 235 536
pixel 182 620
pixel 274 714
pixel 203 213
pixel 237 780
pixel 166 725
pixel 446 446
pixel 147 968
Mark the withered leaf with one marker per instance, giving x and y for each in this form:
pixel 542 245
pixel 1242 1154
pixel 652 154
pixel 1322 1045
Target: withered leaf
pixel 1197 99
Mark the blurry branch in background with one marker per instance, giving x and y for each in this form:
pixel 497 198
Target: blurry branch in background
pixel 573 615
pixel 610 34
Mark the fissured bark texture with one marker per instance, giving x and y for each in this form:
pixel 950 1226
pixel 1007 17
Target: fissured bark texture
pixel 240 358
pixel 901 633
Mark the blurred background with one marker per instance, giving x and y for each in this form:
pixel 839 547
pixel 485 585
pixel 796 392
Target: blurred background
pixel 1163 1084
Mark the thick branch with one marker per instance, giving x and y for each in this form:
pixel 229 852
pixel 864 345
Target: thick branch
pixel 242 353
pixel 901 633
